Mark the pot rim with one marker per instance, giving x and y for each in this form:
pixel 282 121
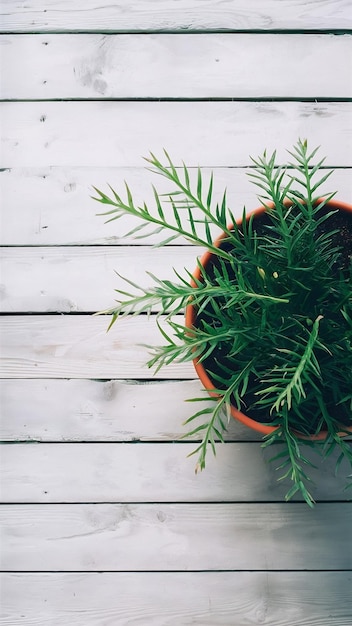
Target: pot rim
pixel 190 317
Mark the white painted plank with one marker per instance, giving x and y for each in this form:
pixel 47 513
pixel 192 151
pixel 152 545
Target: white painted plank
pixel 51 279
pixel 184 15
pixel 175 66
pixel 93 410
pixel 84 279
pixel 62 346
pixel 177 598
pixel 88 410
pixel 69 217
pixel 111 133
pixel 152 472
pixel 61 279
pixel 176 537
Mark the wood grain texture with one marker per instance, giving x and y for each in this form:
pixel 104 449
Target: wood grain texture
pixel 152 472
pixel 177 599
pixel 99 411
pixel 52 205
pixel 89 410
pixel 210 134
pixel 60 279
pixel 172 537
pixel 175 66
pixel 55 207
pixel 79 347
pixel 184 15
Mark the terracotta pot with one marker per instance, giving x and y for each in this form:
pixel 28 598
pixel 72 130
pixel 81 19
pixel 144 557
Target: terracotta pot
pixel 190 318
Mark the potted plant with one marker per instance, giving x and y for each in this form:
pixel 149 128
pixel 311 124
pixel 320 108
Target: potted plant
pixel 268 309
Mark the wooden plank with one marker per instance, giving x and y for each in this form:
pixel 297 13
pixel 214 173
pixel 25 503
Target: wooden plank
pixel 61 279
pixel 89 410
pixel 172 537
pixel 152 472
pixel 50 279
pixel 111 133
pixel 70 216
pixel 63 346
pixel 213 598
pixel 175 66
pixel 184 15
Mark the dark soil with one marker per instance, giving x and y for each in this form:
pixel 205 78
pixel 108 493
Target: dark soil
pixel 342 221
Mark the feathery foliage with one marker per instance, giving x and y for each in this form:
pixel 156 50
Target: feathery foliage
pixel 273 305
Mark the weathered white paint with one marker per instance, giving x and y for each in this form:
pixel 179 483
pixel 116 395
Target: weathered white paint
pixel 93 410
pixel 59 209
pixel 177 598
pixel 61 279
pixel 181 15
pixel 59 346
pixel 171 537
pixel 111 410
pixel 111 133
pixel 52 205
pixel 174 66
pixel 153 472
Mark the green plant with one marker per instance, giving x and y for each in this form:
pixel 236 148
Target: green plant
pixel 273 307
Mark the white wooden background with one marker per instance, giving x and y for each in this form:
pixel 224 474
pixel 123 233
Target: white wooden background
pixel 103 521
